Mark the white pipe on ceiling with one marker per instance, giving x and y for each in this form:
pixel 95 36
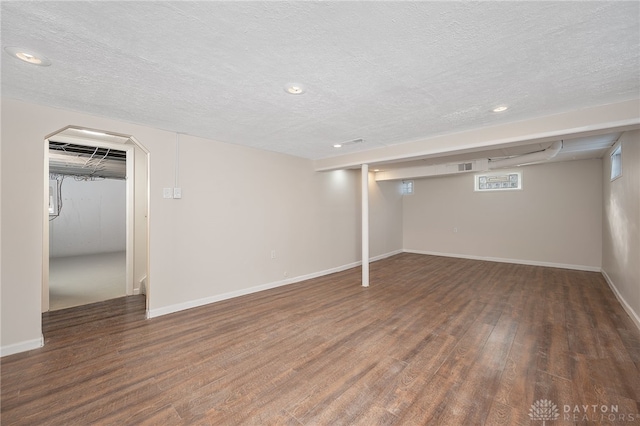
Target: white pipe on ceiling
pixel 534 157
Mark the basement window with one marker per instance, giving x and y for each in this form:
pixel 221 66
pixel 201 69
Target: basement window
pixel 407 187
pixel 498 182
pixel 616 163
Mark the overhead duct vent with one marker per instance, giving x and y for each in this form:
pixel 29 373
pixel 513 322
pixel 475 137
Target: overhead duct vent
pixel 86 161
pixel 433 170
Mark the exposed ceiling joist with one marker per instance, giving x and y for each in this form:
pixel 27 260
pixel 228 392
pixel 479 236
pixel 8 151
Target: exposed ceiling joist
pixel 86 161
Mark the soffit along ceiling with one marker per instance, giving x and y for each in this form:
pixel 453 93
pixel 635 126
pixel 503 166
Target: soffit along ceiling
pixel 385 72
pixel 582 148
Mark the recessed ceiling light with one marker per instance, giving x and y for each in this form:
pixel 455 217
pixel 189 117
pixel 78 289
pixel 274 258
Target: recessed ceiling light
pixel 500 108
pixel 294 89
pixel 337 145
pixel 376 170
pixel 28 56
pixel 92 132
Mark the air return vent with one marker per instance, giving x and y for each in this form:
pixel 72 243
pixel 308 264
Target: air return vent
pixel 465 167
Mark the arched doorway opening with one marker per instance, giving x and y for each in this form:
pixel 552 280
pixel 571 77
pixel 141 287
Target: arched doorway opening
pixel 84 155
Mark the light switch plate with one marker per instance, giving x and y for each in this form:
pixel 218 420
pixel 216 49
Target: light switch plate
pixel 177 192
pixel 167 193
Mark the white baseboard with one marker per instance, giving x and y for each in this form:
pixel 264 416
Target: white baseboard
pixel 505 260
pixel 21 347
pixel 152 313
pixel 634 315
pixel 383 256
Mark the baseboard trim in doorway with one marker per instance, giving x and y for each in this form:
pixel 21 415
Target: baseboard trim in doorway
pixel 27 345
pixel 152 313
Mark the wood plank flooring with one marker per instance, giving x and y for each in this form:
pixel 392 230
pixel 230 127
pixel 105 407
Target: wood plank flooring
pixel 433 341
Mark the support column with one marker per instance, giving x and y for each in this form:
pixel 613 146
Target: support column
pixel 365 225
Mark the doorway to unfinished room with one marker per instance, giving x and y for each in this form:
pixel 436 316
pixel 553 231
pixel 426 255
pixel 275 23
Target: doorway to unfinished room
pixel 96 211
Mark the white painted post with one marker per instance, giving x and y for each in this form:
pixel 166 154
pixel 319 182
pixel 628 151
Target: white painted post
pixel 365 225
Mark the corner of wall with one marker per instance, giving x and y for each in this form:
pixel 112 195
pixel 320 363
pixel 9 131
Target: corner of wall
pixel 628 309
pixel 621 225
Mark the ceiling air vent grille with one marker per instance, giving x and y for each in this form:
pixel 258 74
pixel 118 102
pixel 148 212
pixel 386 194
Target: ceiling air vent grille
pixel 465 167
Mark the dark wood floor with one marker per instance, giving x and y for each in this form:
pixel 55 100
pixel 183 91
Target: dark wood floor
pixel 433 341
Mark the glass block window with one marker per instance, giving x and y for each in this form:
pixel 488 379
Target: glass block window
pixel 407 187
pixel 498 181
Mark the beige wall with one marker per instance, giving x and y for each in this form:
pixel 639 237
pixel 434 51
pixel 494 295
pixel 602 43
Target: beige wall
pixel 621 225
pixel 241 204
pixel 385 217
pixel 22 231
pixel 554 220
pixel 238 205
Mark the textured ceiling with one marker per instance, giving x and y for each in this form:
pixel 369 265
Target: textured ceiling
pixel 387 72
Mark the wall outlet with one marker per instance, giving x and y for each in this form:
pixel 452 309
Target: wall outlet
pixel 273 254
pixel 177 192
pixel 167 193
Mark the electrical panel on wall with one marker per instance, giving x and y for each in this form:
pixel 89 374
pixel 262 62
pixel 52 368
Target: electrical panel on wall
pixel 54 192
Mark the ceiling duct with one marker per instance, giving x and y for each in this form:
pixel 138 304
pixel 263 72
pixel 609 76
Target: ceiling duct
pixel 432 170
pixel 86 161
pixel 531 158
pixel 481 164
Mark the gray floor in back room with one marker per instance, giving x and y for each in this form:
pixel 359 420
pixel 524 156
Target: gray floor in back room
pixel 80 280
